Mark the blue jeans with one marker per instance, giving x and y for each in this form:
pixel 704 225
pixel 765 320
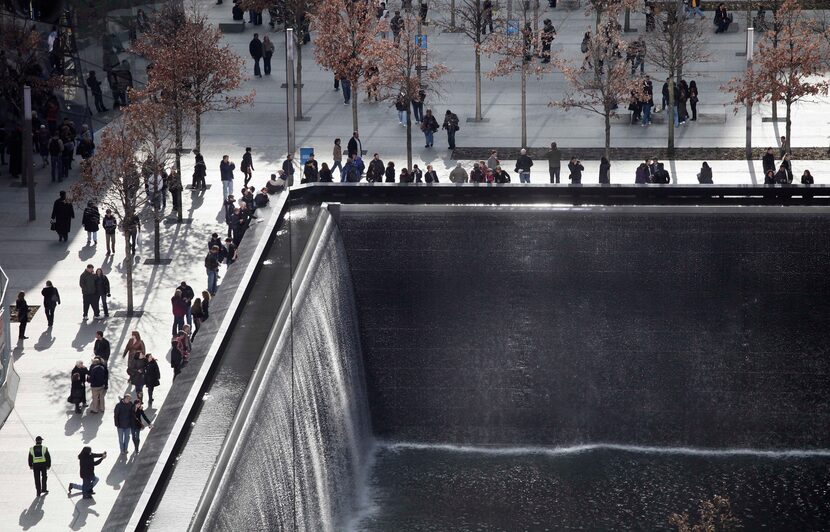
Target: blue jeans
pixel 347 91
pixel 88 484
pixel 646 118
pixel 178 324
pixel 402 117
pixel 123 439
pixel 136 439
pixel 211 274
pixel 524 177
pixel 694 11
pixel 676 118
pixel 57 168
pixel 227 187
pixel 337 164
pixel 189 316
pixel 428 136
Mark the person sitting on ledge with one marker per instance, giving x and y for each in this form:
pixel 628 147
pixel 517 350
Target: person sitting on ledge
pixel 722 19
pixel 705 175
pixel 276 183
pixel 806 178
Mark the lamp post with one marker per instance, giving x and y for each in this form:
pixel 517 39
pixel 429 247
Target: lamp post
pixel 28 172
pixel 289 88
pixel 750 46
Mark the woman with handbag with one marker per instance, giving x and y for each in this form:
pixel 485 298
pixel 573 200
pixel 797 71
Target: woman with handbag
pixel 51 299
pixel 137 424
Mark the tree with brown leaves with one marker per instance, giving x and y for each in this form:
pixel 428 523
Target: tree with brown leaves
pixel 347 32
pixel 678 41
pixel 714 515
pixel 475 19
pixel 397 75
pixel 788 70
pixel 605 85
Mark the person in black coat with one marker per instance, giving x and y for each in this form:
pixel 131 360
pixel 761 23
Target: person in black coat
pixel 77 394
pixel 576 169
pixel 247 165
pixel 501 176
pixel 152 376
pixel 768 161
pixel 769 177
pixel 40 462
pixel 390 172
pixel 62 214
pixel 430 176
pixel 722 19
pixel 374 174
pixel 101 348
pixel 137 423
pixel 787 165
pixel 325 173
pixel 199 172
pixel 255 49
pixel 705 175
pixel 310 173
pixel 51 299
pixel 288 169
pixel 604 171
pixel 22 314
pixel 355 147
pixel 807 178
pixel 102 289
pixel 88 460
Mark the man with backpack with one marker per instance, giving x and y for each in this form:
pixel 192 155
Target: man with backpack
pixel 451 125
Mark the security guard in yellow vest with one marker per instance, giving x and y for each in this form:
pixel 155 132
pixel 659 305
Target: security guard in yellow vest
pixel 39 462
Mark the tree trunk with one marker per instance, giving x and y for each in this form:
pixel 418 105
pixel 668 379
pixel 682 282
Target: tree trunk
pixel 774 111
pixel 408 138
pixel 627 26
pixel 157 243
pixel 179 148
pixel 478 84
pixel 524 103
pixel 299 81
pixel 355 93
pixel 198 133
pixel 452 15
pixel 788 128
pixel 670 116
pixel 128 260
pixel 607 132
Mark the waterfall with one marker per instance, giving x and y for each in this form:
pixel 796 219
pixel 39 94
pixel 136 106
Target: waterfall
pixel 301 461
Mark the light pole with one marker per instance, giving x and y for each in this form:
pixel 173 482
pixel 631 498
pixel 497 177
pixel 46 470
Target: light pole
pixel 289 88
pixel 28 172
pixel 750 47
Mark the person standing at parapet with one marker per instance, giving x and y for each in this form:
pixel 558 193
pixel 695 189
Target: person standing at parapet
pixel 554 162
pixel 523 164
pixel 226 168
pixel 39 463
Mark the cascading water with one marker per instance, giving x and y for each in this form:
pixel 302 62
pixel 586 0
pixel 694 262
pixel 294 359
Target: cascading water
pixel 301 460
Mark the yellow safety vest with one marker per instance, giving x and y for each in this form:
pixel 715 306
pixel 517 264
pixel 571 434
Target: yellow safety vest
pixel 38 459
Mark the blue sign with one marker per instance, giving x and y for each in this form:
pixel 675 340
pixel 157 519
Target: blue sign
pixel 305 153
pixel 421 41
pixel 512 27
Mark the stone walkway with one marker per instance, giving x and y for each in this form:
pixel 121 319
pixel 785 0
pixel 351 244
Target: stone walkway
pixel 31 254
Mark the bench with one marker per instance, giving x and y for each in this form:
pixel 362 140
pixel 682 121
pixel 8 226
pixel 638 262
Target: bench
pixel 232 27
pixel 660 118
pixel 733 28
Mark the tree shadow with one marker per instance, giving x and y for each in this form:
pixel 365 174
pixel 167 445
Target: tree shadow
pixel 119 471
pixel 83 508
pixel 32 515
pixel 45 340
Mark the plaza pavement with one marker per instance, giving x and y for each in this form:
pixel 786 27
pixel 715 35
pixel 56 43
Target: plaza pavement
pixel 30 253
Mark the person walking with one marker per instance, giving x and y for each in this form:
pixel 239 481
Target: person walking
pixel 337 158
pixel 152 376
pixel 267 53
pixel 179 311
pixel 355 146
pixel 137 423
pixel 102 290
pixel 98 381
pixel 212 268
pixel 429 125
pixel 548 34
pixel 62 214
pixel 101 347
pixel 374 174
pixel 451 125
pixel 110 224
pixel 22 315
pixel 255 49
pixel 523 164
pixel 77 391
pixel 40 462
pixel 554 157
pixel 89 291
pixel 123 417
pixel 133 227
pixel 347 91
pixel 95 88
pixel 226 168
pixel 91 221
pixel 604 171
pixel 576 169
pixel 51 299
pixel 55 148
pixel 88 460
pixel 247 165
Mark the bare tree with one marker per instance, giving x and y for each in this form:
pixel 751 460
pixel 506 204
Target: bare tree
pixel 677 42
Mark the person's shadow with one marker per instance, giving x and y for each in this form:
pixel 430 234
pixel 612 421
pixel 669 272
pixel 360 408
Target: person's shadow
pixel 73 423
pixel 86 253
pixel 45 341
pixel 82 510
pixel 106 266
pixel 119 471
pixel 32 515
pixel 91 423
pixel 86 335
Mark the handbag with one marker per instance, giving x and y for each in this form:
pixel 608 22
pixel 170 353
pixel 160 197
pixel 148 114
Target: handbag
pixel 52 224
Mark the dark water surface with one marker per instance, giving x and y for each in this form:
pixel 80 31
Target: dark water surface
pixel 427 488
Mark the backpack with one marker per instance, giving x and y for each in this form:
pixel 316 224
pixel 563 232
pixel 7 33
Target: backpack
pixel 453 121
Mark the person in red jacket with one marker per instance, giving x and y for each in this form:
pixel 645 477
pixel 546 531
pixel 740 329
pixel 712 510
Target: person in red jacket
pixel 179 311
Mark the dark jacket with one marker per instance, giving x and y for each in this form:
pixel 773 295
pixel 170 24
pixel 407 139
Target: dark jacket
pixel 705 176
pixel 88 463
pixel 62 213
pixel 576 172
pixel 98 376
pixel 604 172
pixel 375 172
pixel 769 162
pixel 152 375
pixel 255 48
pixel 110 224
pixel 523 163
pixel 101 349
pixel 226 170
pixel 51 297
pixel 91 219
pixel 22 310
pixel 554 157
pixel 431 176
pixel 501 177
pixel 429 124
pixel 123 415
pixel 88 284
pixel 324 175
pixel 806 179
pixel 310 174
pixel 247 162
pixel 40 450
pixel 102 285
pixel 353 146
pixel 390 174
pixel 137 416
pixel 212 262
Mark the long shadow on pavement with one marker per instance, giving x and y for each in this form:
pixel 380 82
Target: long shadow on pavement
pixel 32 515
pixel 83 508
pixel 120 470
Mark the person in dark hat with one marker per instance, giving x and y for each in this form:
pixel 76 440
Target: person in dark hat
pixel 39 463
